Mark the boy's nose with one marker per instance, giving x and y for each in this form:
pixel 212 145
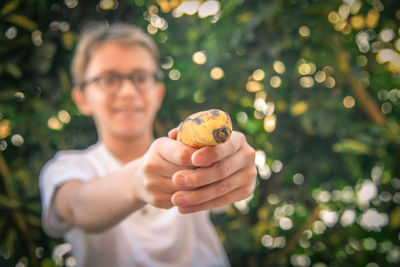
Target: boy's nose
pixel 128 87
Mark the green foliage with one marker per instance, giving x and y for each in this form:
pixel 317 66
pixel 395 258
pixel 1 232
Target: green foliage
pixel 331 118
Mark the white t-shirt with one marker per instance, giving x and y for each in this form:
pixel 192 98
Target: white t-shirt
pixel 147 237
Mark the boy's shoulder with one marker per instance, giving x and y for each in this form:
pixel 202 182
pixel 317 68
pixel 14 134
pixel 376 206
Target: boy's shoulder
pixel 78 154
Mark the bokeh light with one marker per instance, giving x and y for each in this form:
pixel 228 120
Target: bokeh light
pixel 64 116
pixel 5 129
pixel 306 82
pixel 348 218
pixel 17 140
pixel 174 74
pixel 349 102
pixel 254 86
pixel 304 31
pixel 299 108
pixel 275 81
pixel 320 76
pixel 258 75
pixel 270 123
pixel 167 63
pixel 217 73
pixel 372 18
pixel 357 22
pixel 199 57
pixel 298 178
pixel 54 124
pixel 209 8
pixel 279 67
pixel 108 4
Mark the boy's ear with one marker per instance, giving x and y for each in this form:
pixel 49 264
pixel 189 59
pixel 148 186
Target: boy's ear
pixel 79 98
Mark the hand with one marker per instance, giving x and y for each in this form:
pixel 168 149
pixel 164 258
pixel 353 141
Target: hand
pixel 153 184
pixel 226 174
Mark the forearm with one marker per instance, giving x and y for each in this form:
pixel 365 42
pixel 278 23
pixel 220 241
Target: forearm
pixel 101 202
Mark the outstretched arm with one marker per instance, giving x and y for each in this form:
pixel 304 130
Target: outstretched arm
pixel 104 201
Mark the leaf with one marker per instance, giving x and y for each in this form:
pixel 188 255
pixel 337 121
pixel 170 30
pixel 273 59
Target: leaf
pixel 9 7
pixel 10 239
pixel 299 108
pixel 244 17
pixel 7 202
pixel 14 70
pixel 352 147
pixel 69 39
pixel 395 218
pixel 22 21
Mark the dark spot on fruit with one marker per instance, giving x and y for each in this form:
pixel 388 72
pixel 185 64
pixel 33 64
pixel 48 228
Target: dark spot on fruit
pixel 221 134
pixel 198 120
pixel 215 112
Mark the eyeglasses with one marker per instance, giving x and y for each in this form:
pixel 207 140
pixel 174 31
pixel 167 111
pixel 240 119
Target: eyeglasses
pixel 111 82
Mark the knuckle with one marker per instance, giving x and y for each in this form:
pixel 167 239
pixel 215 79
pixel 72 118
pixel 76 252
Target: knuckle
pixel 213 153
pixel 223 187
pixel 149 166
pixel 241 136
pixel 194 180
pixel 159 141
pixel 248 190
pixel 157 201
pixel 249 152
pixel 232 146
pixel 252 171
pixel 148 184
pixel 223 169
pixel 183 156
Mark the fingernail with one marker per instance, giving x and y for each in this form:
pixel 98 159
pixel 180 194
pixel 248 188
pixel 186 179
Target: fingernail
pixel 180 180
pixel 179 200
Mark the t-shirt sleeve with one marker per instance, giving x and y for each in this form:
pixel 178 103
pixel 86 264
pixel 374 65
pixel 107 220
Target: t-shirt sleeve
pixel 65 166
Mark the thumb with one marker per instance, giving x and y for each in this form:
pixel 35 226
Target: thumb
pixel 173 134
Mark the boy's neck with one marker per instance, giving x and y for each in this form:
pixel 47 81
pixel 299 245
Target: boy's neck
pixel 128 149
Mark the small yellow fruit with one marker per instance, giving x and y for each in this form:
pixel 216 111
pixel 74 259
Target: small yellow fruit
pixel 205 128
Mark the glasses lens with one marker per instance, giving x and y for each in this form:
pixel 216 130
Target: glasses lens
pixel 109 82
pixel 143 80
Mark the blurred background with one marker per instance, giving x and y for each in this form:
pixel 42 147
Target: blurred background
pixel 314 85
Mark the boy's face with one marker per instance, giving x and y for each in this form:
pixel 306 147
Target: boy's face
pixel 128 110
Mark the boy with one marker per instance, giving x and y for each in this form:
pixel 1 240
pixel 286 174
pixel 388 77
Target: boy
pixel 130 199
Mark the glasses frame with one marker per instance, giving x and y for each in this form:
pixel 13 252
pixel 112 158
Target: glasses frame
pixel 157 75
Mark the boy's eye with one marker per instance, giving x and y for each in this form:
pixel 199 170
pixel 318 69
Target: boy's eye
pixel 141 78
pixel 109 80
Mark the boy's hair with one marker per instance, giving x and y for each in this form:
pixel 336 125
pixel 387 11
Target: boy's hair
pixel 96 34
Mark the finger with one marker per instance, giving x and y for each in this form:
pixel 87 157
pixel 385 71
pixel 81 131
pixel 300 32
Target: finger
pixel 217 171
pixel 160 184
pixel 160 166
pixel 211 191
pixel 238 194
pixel 173 134
pixel 160 200
pixel 210 154
pixel 175 152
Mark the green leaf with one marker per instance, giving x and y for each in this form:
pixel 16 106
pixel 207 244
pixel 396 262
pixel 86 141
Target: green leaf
pixel 8 202
pixel 22 21
pixel 9 7
pixel 14 70
pixel 352 147
pixel 395 218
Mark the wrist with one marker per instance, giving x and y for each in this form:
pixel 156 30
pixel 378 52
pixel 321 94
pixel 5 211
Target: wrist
pixel 136 184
